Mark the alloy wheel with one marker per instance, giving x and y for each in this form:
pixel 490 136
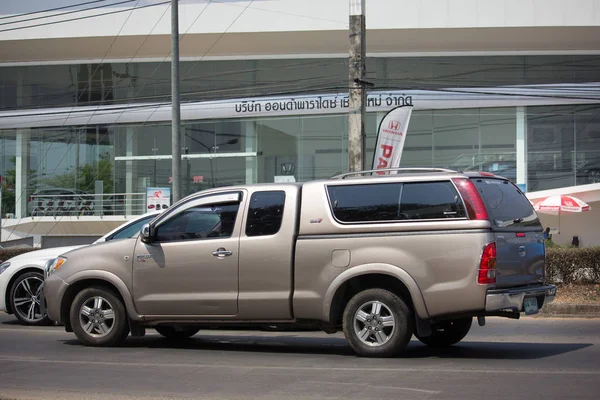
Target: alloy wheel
pixel 374 323
pixel 27 299
pixel 97 316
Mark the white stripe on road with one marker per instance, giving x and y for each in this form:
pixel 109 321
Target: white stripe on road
pixel 37 360
pixel 374 386
pixel 32 330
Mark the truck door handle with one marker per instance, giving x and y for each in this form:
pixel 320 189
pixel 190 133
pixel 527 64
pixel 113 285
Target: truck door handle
pixel 221 252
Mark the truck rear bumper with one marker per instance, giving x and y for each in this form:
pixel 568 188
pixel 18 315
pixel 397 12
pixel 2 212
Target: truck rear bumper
pixel 513 299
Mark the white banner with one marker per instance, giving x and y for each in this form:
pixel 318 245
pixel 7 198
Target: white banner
pixel 390 138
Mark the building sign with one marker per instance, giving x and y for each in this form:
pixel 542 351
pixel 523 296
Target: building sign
pixel 390 138
pixel 319 103
pixel 158 198
pixel 336 103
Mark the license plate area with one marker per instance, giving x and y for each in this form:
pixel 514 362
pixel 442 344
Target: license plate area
pixel 530 304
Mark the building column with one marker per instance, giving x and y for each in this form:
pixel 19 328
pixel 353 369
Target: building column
pixel 22 149
pixel 130 171
pixel 250 143
pixel 521 142
pixel 22 172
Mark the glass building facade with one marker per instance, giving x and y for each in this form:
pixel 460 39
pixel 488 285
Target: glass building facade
pixel 560 143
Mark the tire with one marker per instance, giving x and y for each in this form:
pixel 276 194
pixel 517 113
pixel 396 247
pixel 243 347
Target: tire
pixel 95 325
pixel 171 333
pixel 26 297
pixel 377 323
pixel 447 333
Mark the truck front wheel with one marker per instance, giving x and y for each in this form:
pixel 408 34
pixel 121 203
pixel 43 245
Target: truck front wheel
pixel 447 333
pixel 99 318
pixel 377 323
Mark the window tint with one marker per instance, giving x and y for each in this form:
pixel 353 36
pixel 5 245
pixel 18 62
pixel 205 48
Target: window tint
pixel 265 213
pixel 132 229
pixel 395 201
pixel 506 204
pixel 431 200
pixel 201 222
pixel 363 203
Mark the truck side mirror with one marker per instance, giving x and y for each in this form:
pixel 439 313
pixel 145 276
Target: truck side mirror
pixel 145 235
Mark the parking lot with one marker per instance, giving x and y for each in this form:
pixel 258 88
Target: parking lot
pixel 534 358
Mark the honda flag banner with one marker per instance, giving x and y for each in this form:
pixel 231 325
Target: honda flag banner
pixel 390 138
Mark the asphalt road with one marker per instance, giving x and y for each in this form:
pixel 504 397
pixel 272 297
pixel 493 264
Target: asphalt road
pixel 532 358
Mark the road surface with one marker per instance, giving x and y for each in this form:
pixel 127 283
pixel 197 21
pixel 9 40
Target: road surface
pixel 532 358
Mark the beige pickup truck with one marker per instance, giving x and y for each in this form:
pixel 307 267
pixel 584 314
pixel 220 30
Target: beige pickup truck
pixel 413 252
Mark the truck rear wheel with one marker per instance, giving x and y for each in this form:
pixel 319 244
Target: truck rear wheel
pixel 447 333
pixel 98 317
pixel 377 323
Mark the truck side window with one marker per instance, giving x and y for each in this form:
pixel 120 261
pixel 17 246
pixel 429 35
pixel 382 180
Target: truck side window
pixel 395 202
pixel 265 213
pixel 431 200
pixel 132 229
pixel 201 222
pixel 365 203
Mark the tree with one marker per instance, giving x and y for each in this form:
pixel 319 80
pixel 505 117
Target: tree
pixel 85 176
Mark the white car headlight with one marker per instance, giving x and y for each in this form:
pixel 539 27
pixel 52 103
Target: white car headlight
pixel 4 266
pixel 52 265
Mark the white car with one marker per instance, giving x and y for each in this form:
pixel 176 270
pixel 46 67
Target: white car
pixel 21 277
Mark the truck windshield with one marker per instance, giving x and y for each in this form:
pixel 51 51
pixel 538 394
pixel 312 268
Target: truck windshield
pixel 507 206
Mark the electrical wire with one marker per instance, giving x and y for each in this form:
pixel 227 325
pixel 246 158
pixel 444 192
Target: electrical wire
pixel 46 154
pixel 477 92
pixel 83 17
pixel 66 13
pixel 344 23
pixel 52 9
pixel 181 37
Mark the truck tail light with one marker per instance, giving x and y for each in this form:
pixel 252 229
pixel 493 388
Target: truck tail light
pixel 487 266
pixel 473 201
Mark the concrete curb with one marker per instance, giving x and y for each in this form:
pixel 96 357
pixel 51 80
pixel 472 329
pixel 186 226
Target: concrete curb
pixel 573 310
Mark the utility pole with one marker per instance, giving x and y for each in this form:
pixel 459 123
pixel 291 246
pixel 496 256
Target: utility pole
pixel 175 101
pixel 357 96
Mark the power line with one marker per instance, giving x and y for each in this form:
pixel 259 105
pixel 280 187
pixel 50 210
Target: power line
pixel 66 13
pixel 216 41
pixel 385 81
pixel 83 17
pixel 304 90
pixel 52 9
pixel 166 2
pixel 115 38
pixel 144 85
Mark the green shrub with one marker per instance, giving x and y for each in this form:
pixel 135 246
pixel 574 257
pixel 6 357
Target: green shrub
pixel 573 264
pixel 5 254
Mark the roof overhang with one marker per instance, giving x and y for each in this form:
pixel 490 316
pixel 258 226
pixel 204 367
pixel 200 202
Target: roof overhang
pixel 588 193
pixel 326 43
